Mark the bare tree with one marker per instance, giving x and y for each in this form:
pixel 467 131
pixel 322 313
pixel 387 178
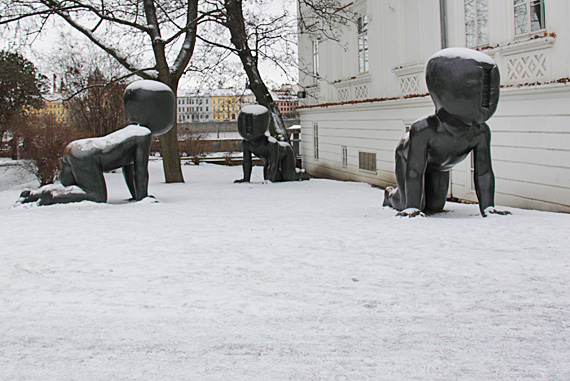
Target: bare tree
pixel 125 30
pixel 250 33
pixel 97 110
pixel 132 31
pixel 91 84
pixel 323 17
pixel 256 34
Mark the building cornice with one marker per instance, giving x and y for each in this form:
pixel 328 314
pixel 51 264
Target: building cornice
pixel 536 42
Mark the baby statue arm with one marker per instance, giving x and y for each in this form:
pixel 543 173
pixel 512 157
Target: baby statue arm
pixel 416 166
pixel 247 164
pixel 141 166
pixel 484 176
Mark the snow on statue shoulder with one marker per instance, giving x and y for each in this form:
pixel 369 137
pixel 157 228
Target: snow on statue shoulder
pixel 278 157
pixel 151 108
pixel 464 85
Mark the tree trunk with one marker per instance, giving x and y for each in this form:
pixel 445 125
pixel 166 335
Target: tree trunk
pixel 168 141
pixel 14 143
pixel 171 156
pixel 169 147
pixel 236 27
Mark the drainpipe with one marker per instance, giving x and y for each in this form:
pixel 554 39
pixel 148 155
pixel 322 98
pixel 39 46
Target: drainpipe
pixel 443 22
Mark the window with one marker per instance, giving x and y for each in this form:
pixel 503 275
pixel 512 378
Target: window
pixel 344 156
pixel 529 16
pixel 316 140
pixel 476 23
pixel 363 44
pixel 367 161
pixel 315 59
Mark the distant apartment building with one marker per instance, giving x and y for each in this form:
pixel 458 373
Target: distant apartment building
pixel 194 107
pixel 226 103
pixel 287 103
pixel 53 106
pixel 246 98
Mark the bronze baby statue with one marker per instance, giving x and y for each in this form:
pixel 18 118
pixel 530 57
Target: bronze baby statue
pixel 464 85
pixel 278 157
pixel 151 108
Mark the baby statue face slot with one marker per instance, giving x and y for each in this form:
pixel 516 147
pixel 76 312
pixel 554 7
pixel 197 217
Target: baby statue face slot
pixel 465 86
pixel 278 157
pixel 151 108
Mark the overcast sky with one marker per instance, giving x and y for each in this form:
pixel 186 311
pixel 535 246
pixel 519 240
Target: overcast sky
pixel 42 48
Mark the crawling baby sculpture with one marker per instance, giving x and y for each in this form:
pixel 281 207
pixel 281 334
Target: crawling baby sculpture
pixel 278 157
pixel 464 85
pixel 150 106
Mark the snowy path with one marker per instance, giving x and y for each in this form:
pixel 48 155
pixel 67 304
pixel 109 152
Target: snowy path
pixel 289 281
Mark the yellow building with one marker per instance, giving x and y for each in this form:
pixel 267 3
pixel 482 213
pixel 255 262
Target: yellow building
pixel 226 103
pixel 54 106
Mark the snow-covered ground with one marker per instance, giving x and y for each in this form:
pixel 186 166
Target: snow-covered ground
pixel 285 281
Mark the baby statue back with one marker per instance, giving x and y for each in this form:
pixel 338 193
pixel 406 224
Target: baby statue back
pixel 278 157
pixel 151 108
pixel 464 85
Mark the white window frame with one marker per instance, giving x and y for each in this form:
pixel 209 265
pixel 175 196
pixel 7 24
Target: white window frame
pixel 478 20
pixel 315 55
pixel 362 44
pixel 344 156
pixel 526 4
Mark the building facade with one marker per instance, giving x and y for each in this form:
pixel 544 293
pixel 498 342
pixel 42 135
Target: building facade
pixel 226 103
pixel 194 107
pixel 287 102
pixel 54 106
pixel 364 91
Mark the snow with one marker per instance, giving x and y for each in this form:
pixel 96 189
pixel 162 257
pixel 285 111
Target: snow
pixel 285 281
pixel 86 147
pixel 254 109
pixel 148 84
pixel 464 53
pixel 221 135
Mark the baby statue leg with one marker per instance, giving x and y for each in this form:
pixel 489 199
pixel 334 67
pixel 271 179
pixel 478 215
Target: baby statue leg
pixel 66 177
pixel 129 175
pixel 436 187
pixel 396 197
pixel 288 165
pixel 89 185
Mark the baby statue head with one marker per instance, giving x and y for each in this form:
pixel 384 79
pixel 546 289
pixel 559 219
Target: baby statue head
pixel 465 83
pixel 151 104
pixel 253 121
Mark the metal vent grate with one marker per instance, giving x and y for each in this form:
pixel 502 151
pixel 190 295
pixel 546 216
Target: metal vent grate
pixel 367 161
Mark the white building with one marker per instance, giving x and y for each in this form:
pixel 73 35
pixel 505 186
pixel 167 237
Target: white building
pixel 194 107
pixel 364 91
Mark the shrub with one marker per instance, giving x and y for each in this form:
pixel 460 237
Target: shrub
pixel 44 140
pixel 195 146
